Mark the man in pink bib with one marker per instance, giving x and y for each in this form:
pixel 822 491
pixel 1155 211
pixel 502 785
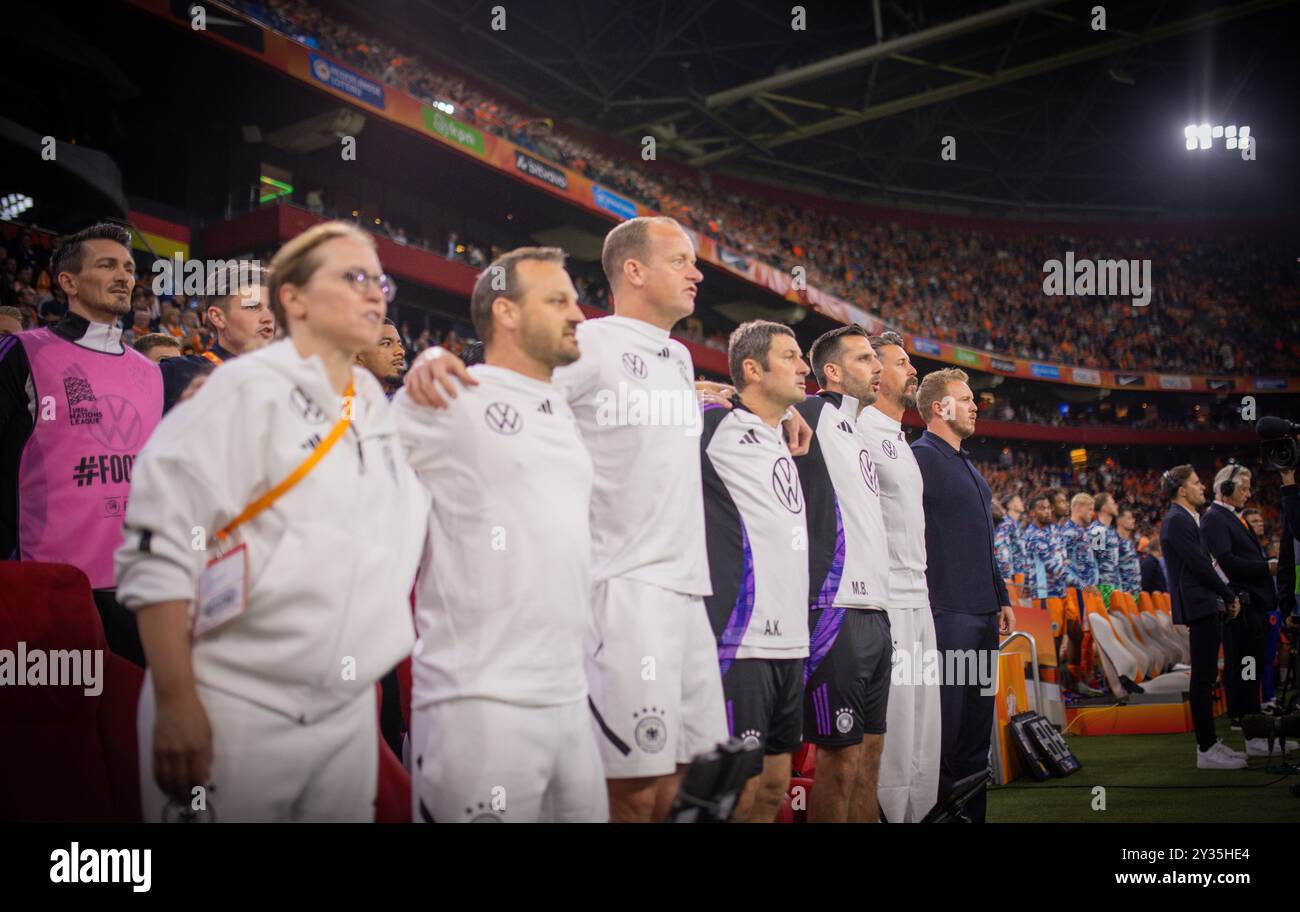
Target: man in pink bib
pixel 76 406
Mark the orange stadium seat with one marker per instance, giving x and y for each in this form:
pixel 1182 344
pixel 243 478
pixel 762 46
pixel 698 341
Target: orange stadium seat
pixel 1114 649
pixel 1056 610
pixel 1174 634
pixel 1160 638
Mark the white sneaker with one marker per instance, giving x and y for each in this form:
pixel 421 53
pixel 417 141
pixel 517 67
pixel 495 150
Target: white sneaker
pixel 1219 757
pixel 1258 747
pixel 1230 751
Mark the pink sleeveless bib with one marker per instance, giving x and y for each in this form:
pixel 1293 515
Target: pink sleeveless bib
pixel 94 411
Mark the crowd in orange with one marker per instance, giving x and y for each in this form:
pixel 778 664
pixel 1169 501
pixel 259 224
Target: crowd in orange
pixel 961 286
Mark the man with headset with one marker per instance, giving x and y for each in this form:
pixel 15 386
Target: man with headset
pixel 1200 599
pixel 1244 564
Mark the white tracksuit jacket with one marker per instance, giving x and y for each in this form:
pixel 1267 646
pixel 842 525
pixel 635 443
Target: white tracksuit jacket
pixel 331 563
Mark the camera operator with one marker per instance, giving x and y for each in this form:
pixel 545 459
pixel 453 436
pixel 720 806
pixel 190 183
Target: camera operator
pixel 1241 556
pixel 1281 451
pixel 1199 599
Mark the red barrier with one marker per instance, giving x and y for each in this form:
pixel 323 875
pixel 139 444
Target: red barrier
pixel 70 755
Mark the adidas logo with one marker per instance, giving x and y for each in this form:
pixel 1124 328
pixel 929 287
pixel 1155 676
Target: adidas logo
pixel 749 437
pixel 312 442
pixel 545 407
pixel 663 352
pixel 844 426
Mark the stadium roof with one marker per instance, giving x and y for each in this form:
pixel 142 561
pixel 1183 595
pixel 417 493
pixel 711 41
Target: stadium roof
pixel 1049 114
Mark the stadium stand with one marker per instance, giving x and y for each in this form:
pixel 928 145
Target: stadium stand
pixel 964 286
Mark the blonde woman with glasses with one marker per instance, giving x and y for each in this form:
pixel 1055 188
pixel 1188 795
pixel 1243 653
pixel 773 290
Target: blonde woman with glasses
pixel 271 540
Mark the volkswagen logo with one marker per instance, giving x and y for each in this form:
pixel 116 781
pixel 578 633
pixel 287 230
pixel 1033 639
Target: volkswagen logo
pixel 503 418
pixel 868 471
pixel 785 482
pixel 119 428
pixel 889 448
pixel 634 365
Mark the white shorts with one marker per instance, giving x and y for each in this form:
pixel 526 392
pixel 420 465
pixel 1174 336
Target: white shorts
pixel 269 768
pixel 908 786
pixel 656 688
pixel 484 761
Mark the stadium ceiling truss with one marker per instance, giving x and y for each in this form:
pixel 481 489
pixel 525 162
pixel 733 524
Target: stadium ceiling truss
pixel 1006 80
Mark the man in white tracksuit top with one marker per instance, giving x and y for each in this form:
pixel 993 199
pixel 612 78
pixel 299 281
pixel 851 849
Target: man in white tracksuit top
pixel 909 764
pixel 500 728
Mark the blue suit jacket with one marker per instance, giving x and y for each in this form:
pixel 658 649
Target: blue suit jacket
pixel 961 565
pixel 1195 589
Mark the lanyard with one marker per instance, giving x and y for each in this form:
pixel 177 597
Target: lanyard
pixel 298 474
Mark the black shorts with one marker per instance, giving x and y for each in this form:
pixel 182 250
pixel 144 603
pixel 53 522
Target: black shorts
pixel 765 704
pixel 846 689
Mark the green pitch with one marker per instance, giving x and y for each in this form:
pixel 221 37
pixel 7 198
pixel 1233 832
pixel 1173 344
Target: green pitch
pixel 1151 778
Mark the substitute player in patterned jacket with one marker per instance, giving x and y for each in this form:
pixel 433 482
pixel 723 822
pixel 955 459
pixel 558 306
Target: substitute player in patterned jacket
pixel 1007 541
pixel 1105 541
pixel 757 536
pixel 909 762
pixel 1046 577
pixel 1080 566
pixel 846 677
pixel 1130 566
pixel 500 727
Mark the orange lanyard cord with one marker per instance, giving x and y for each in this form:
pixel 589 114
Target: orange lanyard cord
pixel 298 474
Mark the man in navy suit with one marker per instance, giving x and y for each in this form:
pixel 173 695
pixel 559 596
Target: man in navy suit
pixel 967 593
pixel 1200 598
pixel 1239 553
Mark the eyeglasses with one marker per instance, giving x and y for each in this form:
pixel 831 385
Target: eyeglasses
pixel 360 280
